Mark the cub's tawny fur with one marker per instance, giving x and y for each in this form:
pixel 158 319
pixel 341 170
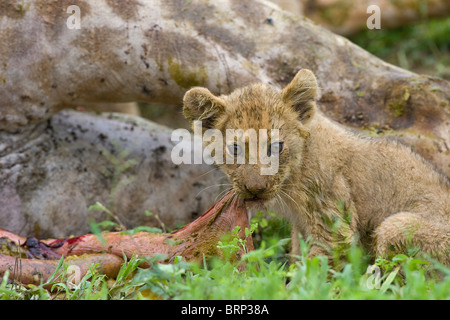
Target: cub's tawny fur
pixel 332 184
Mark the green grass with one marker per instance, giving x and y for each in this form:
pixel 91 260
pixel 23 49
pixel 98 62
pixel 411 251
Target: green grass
pixel 267 274
pixel 422 47
pixel 264 273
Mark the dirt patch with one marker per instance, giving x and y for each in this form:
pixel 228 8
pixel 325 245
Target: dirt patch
pixel 98 46
pixel 204 19
pixel 250 12
pixel 126 9
pixel 404 100
pixel 191 52
pixel 226 38
pixel 13 9
pixel 41 71
pixel 186 77
pixel 13 45
pixel 188 11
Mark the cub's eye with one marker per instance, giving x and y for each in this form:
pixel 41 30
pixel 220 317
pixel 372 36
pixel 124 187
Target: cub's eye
pixel 275 148
pixel 234 149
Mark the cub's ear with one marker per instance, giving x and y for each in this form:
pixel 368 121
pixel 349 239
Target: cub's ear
pixel 201 104
pixel 300 94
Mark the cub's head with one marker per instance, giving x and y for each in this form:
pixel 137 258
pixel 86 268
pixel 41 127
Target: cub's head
pixel 259 168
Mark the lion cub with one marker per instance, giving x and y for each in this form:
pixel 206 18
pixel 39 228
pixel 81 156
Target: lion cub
pixel 332 185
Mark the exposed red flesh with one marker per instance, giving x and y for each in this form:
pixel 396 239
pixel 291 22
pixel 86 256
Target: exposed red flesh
pixel 193 241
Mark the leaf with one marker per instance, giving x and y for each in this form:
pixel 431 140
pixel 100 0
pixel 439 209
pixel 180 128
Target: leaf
pixel 140 229
pixel 148 213
pixel 96 230
pixel 252 229
pixel 400 258
pixel 60 263
pixel 416 261
pixel 263 223
pixel 98 206
pixel 107 224
pixel 172 242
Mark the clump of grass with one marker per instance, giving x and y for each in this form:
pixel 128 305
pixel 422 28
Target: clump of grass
pixel 92 286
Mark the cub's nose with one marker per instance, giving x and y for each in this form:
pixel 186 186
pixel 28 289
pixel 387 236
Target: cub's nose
pixel 256 189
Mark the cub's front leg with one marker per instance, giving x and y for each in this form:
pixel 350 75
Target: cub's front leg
pixel 314 250
pixel 331 232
